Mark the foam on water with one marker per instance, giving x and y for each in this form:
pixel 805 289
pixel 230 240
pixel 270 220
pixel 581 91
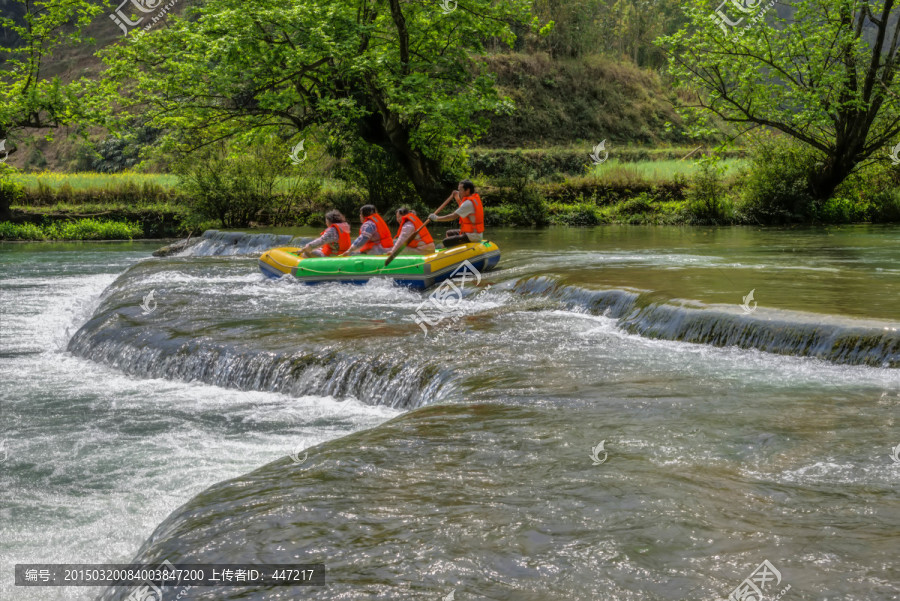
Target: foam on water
pixel 92 469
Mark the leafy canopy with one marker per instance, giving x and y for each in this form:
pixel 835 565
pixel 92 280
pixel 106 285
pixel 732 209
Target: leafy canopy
pixel 821 71
pixel 398 73
pixel 33 31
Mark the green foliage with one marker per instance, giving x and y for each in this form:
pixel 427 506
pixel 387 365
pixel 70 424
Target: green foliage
pixel 24 231
pixel 11 192
pixel 642 203
pixel 625 28
pixel 503 215
pixel 82 229
pixel 29 99
pixel 581 214
pixel 234 188
pixel 406 79
pixel 116 154
pixel 346 200
pixel 885 207
pixel 378 173
pixel 776 188
pixel 871 193
pixel 707 202
pixel 518 189
pixel 819 72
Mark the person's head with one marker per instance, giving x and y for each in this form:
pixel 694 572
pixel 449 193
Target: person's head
pixel 466 187
pixel 334 216
pixel 366 211
pixel 402 212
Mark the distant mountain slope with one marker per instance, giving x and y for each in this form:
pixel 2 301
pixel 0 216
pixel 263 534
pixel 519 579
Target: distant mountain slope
pixel 561 101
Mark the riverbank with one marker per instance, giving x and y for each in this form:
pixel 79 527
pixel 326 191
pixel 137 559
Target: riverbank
pixel 653 206
pixel 519 188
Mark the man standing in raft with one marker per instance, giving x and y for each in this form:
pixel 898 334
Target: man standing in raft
pixel 374 234
pixel 470 214
pixel 335 239
pixel 423 243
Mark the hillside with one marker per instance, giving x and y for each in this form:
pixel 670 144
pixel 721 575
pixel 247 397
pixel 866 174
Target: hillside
pixel 565 101
pixel 560 101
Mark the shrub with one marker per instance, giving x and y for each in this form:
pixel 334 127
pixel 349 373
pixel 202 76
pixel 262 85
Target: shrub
pixel 346 200
pixel 638 205
pixel 885 207
pixel 777 184
pixel 498 216
pixel 706 196
pixel 378 173
pixel 580 214
pixel 23 231
pixel 234 189
pixel 519 191
pixel 10 193
pixel 868 194
pixel 82 229
pixel 116 154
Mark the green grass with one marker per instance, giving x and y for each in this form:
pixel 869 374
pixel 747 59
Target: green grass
pixel 93 181
pixel 96 207
pixel 613 170
pixel 89 181
pixel 82 229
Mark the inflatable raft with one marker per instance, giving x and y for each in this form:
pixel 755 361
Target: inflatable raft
pixel 415 271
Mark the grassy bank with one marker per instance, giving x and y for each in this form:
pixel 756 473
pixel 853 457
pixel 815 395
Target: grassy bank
pixel 519 188
pixel 81 229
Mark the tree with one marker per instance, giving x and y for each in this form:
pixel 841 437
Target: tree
pixel 397 74
pixel 823 72
pixel 32 31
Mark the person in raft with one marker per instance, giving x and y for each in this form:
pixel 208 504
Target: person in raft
pixel 374 235
pixel 423 243
pixel 470 214
pixel 335 239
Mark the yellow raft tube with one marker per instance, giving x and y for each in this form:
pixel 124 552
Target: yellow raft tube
pixel 415 271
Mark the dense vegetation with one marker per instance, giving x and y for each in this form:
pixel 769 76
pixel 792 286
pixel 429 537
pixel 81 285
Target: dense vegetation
pixel 275 114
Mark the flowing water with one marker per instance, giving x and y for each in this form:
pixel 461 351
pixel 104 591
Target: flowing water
pixel 462 460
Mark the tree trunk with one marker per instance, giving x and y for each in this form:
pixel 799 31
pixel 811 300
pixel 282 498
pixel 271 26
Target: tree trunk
pixel 383 128
pixel 836 169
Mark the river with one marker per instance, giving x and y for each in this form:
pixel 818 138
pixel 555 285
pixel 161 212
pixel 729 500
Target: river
pixel 734 430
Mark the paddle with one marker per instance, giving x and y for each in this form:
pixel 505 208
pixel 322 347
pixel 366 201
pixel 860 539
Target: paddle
pixel 403 244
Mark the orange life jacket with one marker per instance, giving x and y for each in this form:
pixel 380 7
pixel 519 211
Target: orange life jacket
pixel 384 233
pixel 473 222
pixel 343 243
pixel 423 236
